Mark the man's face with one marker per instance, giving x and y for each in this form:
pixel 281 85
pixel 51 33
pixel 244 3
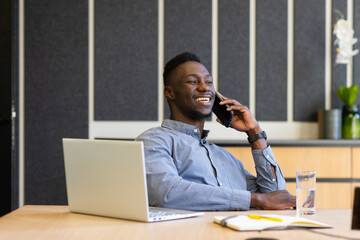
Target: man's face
pixel 193 90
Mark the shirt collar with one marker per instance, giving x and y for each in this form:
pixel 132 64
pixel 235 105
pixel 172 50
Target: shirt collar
pixel 184 128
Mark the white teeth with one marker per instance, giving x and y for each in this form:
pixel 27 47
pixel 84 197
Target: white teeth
pixel 203 99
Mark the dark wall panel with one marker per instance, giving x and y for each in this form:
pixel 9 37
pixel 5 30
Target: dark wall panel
pixel 126 60
pixel 338 70
pixel 56 92
pixel 233 58
pixel 188 28
pixel 356 58
pixel 15 97
pixel 309 59
pixel 271 60
pixel 5 107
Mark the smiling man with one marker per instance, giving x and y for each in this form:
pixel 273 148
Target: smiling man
pixel 185 171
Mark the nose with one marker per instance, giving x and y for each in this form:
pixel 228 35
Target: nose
pixel 203 86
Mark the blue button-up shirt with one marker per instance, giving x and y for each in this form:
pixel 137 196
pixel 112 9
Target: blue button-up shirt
pixel 185 171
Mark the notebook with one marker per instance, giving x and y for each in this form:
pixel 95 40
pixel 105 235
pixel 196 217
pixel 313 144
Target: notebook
pixel 251 222
pixel 107 178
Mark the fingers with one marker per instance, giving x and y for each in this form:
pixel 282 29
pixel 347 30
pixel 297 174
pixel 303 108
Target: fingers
pixel 230 102
pixel 281 199
pixel 223 97
pixel 240 108
pixel 243 119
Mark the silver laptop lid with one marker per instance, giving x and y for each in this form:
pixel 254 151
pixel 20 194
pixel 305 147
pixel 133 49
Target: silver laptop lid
pixel 106 178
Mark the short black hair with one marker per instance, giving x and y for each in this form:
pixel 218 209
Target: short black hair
pixel 176 61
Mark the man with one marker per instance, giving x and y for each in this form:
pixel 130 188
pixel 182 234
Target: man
pixel 185 171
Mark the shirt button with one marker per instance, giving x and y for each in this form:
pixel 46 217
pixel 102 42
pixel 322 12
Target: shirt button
pixel 195 130
pixel 268 156
pixel 273 179
pixel 220 184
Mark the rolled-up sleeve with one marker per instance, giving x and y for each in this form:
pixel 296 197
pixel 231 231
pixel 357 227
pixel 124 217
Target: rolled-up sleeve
pixel 265 180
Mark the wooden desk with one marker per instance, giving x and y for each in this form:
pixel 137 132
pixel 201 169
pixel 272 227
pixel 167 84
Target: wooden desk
pixel 56 222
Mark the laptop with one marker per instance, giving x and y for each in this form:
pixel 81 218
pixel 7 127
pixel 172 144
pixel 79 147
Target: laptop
pixel 107 178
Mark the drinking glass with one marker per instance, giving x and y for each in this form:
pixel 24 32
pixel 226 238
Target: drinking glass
pixel 305 192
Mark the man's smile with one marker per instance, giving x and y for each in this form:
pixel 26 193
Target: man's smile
pixel 203 99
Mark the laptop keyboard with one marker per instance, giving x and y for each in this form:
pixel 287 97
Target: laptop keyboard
pixel 157 212
pixel 161 214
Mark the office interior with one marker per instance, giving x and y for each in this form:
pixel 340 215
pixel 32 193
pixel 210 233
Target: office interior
pixel 93 69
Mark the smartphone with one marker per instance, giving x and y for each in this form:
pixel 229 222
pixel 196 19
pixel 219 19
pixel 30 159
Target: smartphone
pixel 220 111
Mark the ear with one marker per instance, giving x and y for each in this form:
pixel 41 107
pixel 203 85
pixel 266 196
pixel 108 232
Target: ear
pixel 169 93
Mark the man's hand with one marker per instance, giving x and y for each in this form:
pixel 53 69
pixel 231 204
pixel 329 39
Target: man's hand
pixel 243 120
pixel 276 200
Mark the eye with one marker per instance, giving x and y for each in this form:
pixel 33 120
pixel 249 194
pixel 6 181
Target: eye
pixel 209 81
pixel 191 81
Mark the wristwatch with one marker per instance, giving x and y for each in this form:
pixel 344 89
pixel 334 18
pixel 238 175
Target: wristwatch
pixel 255 137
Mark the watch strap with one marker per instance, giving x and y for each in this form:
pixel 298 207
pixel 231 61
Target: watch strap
pixel 255 137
